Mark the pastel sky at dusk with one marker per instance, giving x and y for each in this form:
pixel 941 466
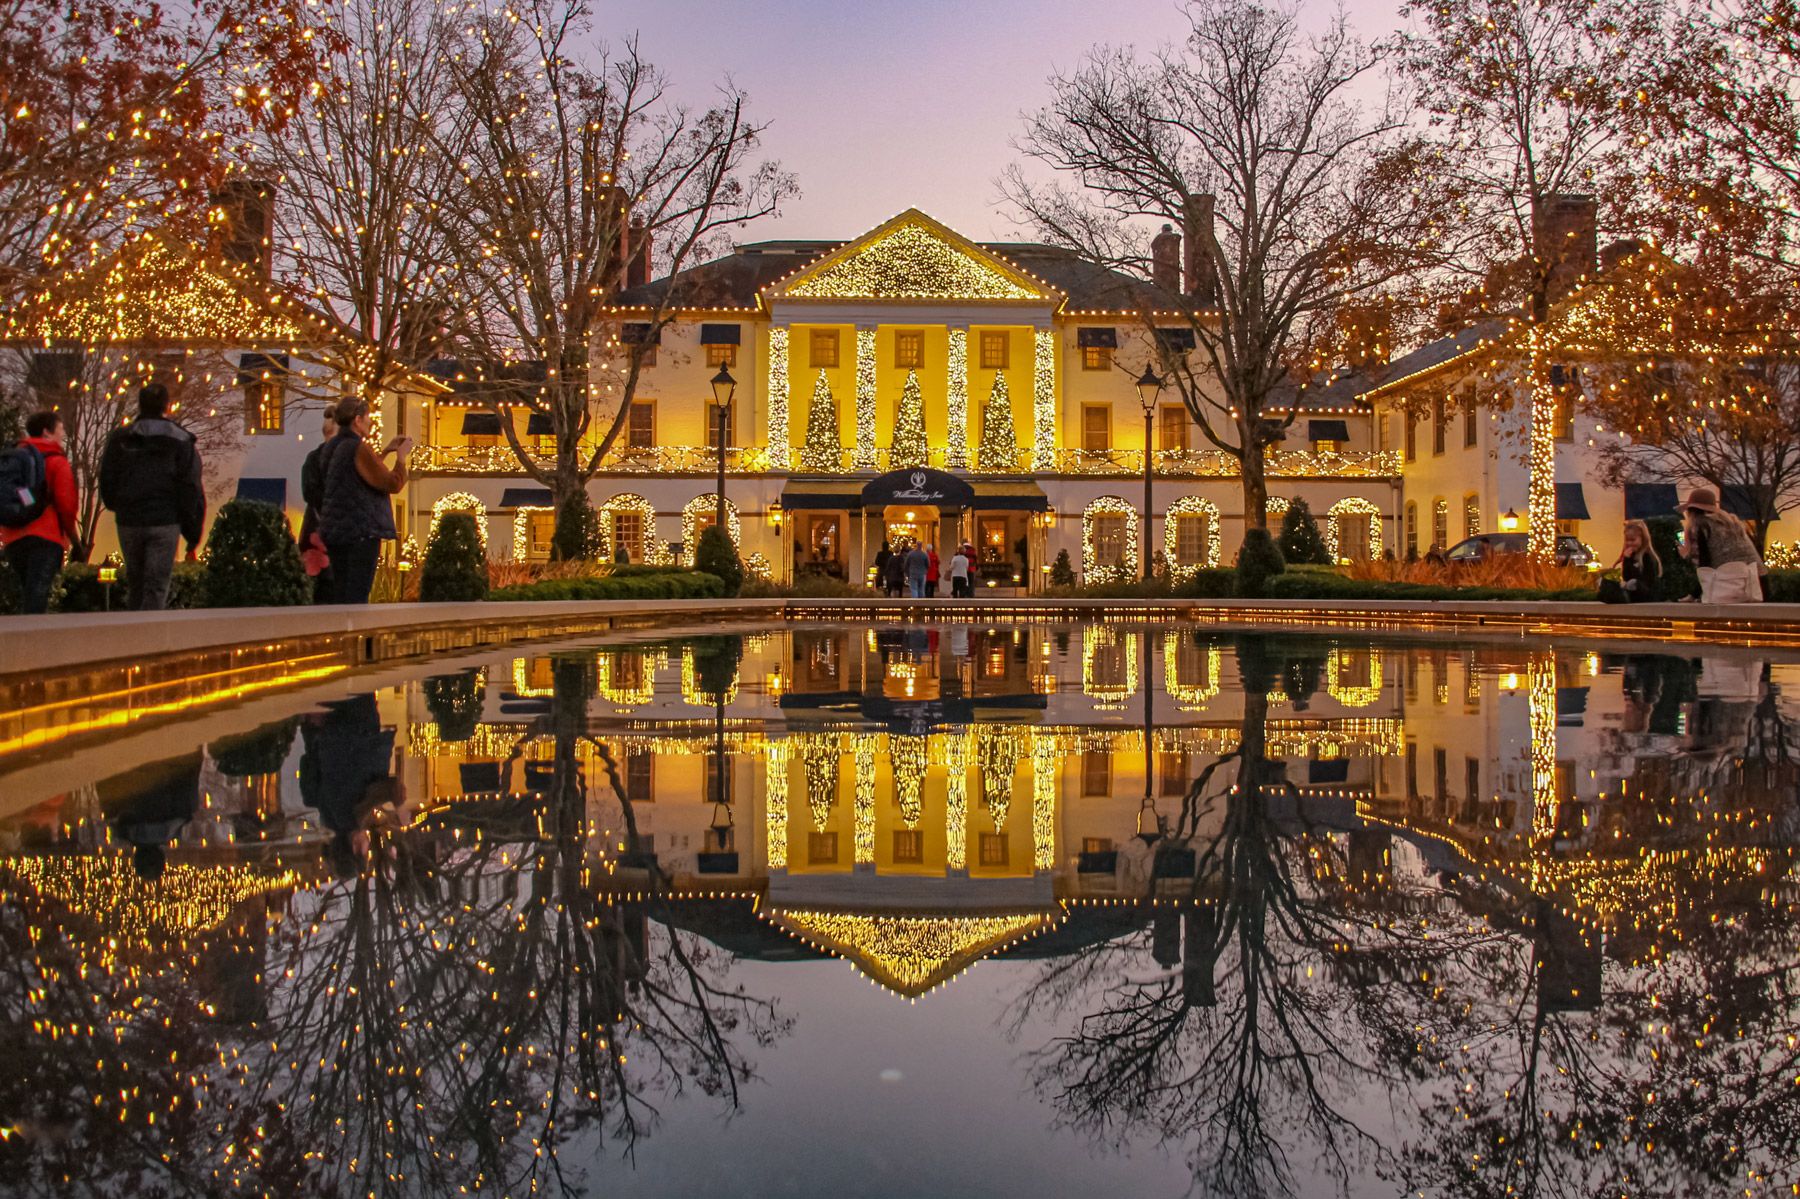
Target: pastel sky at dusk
pixel 882 107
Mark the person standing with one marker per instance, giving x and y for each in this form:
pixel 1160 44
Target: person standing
pixel 1720 548
pixel 917 563
pixel 150 478
pixel 312 489
pixel 356 513
pixel 882 557
pixel 37 530
pixel 933 571
pixel 959 573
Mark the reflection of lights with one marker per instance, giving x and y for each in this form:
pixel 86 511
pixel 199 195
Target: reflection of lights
pixel 956 799
pixel 1109 666
pixel 1509 681
pixel 909 758
pixel 910 955
pixel 1182 660
pixel 865 800
pixel 777 754
pixel 1353 695
pixel 1543 744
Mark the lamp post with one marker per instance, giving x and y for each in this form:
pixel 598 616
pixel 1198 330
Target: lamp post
pixel 724 387
pixel 1149 387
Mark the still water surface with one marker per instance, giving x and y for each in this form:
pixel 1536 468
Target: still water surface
pixel 979 911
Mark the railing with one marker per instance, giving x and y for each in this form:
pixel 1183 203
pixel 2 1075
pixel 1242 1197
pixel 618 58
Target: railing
pixel 694 459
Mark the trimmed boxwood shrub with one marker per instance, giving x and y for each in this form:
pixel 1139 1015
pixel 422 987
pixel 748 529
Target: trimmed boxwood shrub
pixel 1213 582
pixel 252 561
pixel 455 702
pixel 79 589
pixel 1782 587
pixel 577 533
pixel 1259 560
pixel 1300 540
pixel 455 570
pixel 1328 586
pixel 249 755
pixel 1679 578
pixel 653 585
pixel 715 555
pixel 1062 571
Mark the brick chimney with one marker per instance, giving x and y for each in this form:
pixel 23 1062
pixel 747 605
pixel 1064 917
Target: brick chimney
pixel 637 244
pixel 1165 259
pixel 1565 238
pixel 1199 274
pixel 247 211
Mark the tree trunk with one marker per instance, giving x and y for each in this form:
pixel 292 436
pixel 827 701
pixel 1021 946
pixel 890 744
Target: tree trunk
pixel 1256 484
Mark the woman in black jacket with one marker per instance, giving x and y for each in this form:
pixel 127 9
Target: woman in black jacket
pixel 1640 570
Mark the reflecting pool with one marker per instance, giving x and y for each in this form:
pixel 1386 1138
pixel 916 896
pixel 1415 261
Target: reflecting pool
pixel 923 910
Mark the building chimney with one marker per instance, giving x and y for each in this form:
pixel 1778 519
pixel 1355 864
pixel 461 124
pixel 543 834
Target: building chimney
pixel 1165 259
pixel 1565 239
pixel 637 244
pixel 246 212
pixel 1200 276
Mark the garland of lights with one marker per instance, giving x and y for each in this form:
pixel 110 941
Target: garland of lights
pixel 690 683
pixel 1541 708
pixel 1127 567
pixel 865 398
pixel 1043 400
pixel 1044 761
pixel 956 799
pixel 1540 461
pixel 909 262
pixel 910 447
pixel 522 530
pixel 778 754
pixel 128 911
pixel 908 955
pixel 1353 506
pixel 1190 505
pixel 1357 696
pixel 957 401
pixel 654 551
pixel 778 397
pixel 997 756
pixel 757 566
pixel 824 448
pixel 460 501
pixel 704 507
pixel 864 810
pixel 822 761
pixel 629 694
pixel 999 448
pixel 1190 696
pixel 1275 507
pixel 910 759
pixel 1094 638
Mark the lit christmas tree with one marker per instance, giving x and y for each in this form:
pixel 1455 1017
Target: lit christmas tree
pixel 910 447
pixel 823 449
pixel 999 448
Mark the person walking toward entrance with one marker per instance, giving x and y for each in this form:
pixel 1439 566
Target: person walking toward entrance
pixel 150 478
pixel 37 508
pixel 959 573
pixel 883 556
pixel 933 571
pixel 893 574
pixel 918 562
pixel 355 513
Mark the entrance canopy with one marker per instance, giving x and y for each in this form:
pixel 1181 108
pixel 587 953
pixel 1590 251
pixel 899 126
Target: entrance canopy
pixel 921 486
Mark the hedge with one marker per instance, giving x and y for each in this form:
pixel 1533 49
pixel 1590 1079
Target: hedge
pixel 621 585
pixel 1327 586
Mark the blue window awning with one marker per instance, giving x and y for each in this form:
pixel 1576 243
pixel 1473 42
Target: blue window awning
pixel 1097 336
pixel 525 497
pixel 539 425
pixel 1331 770
pixel 1571 502
pixel 1739 499
pixel 481 424
pixel 479 777
pixel 720 335
pixel 1176 338
pixel 1327 430
pixel 1647 501
pixel 252 367
pixel 264 491
pixel 640 333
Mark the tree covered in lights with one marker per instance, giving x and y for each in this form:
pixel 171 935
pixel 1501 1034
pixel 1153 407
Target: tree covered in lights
pixel 910 446
pixel 1293 201
pixel 824 446
pixel 574 163
pixel 998 448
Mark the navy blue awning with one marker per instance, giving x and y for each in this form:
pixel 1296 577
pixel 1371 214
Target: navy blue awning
pixel 1647 501
pixel 525 497
pixel 1571 502
pixel 1176 338
pixel 1332 770
pixel 252 367
pixel 478 777
pixel 1011 503
pixel 539 425
pixel 1739 499
pixel 1571 704
pixel 266 491
pixel 1102 336
pixel 720 335
pixel 1327 430
pixel 481 424
pixel 640 333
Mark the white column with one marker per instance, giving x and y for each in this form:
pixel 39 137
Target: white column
pixel 1043 400
pixel 957 400
pixel 778 398
pixel 865 398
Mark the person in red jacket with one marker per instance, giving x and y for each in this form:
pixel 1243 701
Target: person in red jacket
pixel 35 551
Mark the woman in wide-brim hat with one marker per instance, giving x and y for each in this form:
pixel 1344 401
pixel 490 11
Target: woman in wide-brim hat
pixel 1720 548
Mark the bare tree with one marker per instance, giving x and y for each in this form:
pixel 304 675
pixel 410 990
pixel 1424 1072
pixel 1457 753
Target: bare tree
pixel 572 167
pixel 1297 203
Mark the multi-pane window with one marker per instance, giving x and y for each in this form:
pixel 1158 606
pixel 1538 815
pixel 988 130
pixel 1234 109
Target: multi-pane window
pixel 824 347
pixel 628 531
pixel 1109 540
pixel 640 773
pixel 1411 428
pixel 1096 773
pixel 1471 419
pixel 718 779
pixel 992 849
pixel 640 425
pixel 1096 358
pixel 712 423
pixel 1192 531
pixel 1172 773
pixel 1440 523
pixel 1565 414
pixel 1440 419
pixel 1471 514
pixel 718 356
pixel 821 849
pixel 540 527
pixel 1172 428
pixel 1412 530
pixel 994 351
pixel 909 846
pixel 1096 428
pixel 260 379
pixel 909 349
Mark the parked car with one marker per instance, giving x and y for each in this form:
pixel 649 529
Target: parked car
pixel 1569 550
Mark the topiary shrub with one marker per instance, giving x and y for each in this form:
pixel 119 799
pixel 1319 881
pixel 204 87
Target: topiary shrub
pixel 455 570
pixel 716 662
pixel 252 561
pixel 661 585
pixel 1259 560
pixel 1679 578
pixel 1300 540
pixel 1062 571
pixel 1210 582
pixel 715 555
pixel 250 755
pixel 455 702
pixel 577 534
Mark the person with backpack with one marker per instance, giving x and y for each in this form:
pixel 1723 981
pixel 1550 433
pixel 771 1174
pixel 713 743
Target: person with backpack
pixel 37 508
pixel 356 508
pixel 150 478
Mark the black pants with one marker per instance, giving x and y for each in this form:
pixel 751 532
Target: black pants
pixel 959 586
pixel 36 560
pixel 353 569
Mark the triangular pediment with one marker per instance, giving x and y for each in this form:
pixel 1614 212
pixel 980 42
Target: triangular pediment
pixel 914 259
pixel 156 292
pixel 910 954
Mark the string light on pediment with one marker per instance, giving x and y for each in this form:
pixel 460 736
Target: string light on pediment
pixel 909 262
pixel 909 955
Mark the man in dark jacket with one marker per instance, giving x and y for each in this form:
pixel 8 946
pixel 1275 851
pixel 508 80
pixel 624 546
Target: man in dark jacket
pixel 150 478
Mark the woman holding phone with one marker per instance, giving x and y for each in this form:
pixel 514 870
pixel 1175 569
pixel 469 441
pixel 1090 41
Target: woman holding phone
pixel 356 513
